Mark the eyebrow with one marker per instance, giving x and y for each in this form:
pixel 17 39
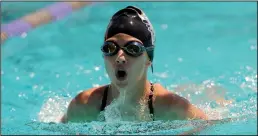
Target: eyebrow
pixel 115 41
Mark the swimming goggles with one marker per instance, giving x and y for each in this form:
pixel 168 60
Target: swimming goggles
pixel 132 48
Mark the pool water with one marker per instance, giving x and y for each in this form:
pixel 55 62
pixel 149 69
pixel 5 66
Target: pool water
pixel 210 48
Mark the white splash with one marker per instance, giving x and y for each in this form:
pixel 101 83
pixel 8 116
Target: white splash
pixel 161 75
pixel 53 109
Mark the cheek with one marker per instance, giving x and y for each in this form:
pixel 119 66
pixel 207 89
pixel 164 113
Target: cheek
pixel 139 63
pixel 108 63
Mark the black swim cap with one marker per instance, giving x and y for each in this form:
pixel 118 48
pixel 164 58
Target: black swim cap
pixel 132 21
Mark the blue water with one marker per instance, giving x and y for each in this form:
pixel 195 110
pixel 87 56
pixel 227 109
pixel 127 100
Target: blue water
pixel 198 45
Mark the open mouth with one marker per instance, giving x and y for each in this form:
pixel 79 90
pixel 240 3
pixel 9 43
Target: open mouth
pixel 121 75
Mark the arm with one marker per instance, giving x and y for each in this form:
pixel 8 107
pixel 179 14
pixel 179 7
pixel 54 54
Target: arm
pixel 194 112
pixel 186 110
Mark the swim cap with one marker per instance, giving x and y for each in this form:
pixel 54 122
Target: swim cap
pixel 132 21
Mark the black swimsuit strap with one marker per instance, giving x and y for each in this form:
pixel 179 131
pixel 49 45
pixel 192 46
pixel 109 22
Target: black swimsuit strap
pixel 150 101
pixel 104 99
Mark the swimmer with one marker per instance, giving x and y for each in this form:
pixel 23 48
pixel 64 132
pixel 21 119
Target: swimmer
pixel 128 52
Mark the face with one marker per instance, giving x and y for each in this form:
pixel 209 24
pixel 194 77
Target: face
pixel 122 68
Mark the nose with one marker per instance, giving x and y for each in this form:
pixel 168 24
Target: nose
pixel 121 58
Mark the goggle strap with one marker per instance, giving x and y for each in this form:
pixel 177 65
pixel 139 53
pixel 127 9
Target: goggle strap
pixel 151 68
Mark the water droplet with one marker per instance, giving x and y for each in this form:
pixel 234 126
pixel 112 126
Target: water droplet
pixel 164 26
pixel 209 49
pixel 80 67
pixel 41 88
pixel 100 78
pixel 180 59
pixel 57 75
pixel 2 72
pixel 32 75
pixel 24 35
pixel 17 78
pixel 15 69
pixel 68 73
pixel 247 78
pixel 95 85
pixel 35 87
pixel 87 71
pixel 97 68
pixel 253 47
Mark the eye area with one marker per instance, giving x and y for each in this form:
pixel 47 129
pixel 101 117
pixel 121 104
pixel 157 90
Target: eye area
pixel 132 48
pixel 109 47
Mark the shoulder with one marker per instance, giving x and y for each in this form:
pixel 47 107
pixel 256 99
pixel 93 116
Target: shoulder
pixel 164 97
pixel 169 102
pixel 89 96
pixel 85 104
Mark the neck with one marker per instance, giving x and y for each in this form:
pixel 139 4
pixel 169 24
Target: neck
pixel 132 94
